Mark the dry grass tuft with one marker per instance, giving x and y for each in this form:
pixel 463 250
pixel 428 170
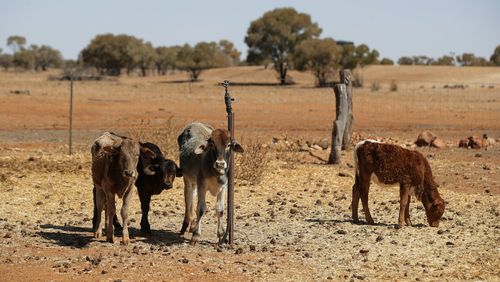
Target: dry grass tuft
pixel 253 163
pixel 165 137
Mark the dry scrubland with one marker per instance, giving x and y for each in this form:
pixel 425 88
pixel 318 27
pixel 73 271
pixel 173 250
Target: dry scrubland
pixel 292 225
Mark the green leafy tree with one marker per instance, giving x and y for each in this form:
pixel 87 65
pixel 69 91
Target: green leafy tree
pixel 166 58
pixel 320 56
pixel 386 61
pixel 495 58
pixel 405 61
pixel 276 34
pixel 204 55
pixel 16 43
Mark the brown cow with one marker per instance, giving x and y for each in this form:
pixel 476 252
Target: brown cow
pixel 393 164
pixel 114 171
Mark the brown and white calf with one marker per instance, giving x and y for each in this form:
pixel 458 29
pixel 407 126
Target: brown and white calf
pixel 392 164
pixel 204 160
pixel 114 171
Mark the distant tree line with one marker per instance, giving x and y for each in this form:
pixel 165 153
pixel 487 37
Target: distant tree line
pixel 283 38
pixel 465 60
pixel 32 58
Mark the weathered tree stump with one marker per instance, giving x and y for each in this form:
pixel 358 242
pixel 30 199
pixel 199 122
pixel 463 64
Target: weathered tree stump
pixel 344 118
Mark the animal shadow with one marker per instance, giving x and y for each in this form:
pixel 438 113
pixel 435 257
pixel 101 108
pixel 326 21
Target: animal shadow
pixel 68 236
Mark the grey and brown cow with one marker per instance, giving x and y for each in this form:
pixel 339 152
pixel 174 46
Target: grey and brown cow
pixel 204 160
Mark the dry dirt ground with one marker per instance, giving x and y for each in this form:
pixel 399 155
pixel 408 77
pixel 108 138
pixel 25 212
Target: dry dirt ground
pixel 293 225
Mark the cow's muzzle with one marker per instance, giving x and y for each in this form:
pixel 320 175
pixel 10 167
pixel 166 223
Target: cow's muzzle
pixel 128 173
pixel 166 185
pixel 220 165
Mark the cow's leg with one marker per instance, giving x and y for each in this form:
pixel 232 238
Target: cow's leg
pixel 200 211
pixel 219 209
pixel 99 202
pixel 188 203
pixel 110 213
pixel 407 211
pixel 355 200
pixel 403 203
pixel 116 224
pixel 364 189
pixel 145 198
pixel 124 212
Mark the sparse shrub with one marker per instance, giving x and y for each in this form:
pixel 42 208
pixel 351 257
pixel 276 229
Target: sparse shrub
pixel 252 164
pixel 375 86
pixel 393 87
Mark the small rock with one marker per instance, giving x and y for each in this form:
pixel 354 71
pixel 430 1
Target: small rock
pixel 273 241
pixel 363 251
pixel 318 202
pixel 239 251
pixel 104 271
pixel 478 155
pixel 342 232
pixel 379 238
pixel 184 260
pixel 252 248
pixel 450 243
pixel 293 211
pixel 343 174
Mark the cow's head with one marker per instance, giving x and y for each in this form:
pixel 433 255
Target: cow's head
pixel 164 170
pixel 434 210
pixel 218 146
pixel 127 153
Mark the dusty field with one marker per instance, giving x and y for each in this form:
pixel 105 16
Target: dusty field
pixel 295 224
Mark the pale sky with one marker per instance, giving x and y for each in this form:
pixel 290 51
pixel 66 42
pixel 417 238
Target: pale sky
pixel 394 27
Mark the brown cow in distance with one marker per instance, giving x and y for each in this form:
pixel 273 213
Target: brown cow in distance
pixel 114 171
pixel 392 164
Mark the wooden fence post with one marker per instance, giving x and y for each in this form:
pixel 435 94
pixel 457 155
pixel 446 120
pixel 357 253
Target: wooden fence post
pixel 342 125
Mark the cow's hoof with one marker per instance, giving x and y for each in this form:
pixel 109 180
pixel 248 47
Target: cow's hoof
pixel 185 225
pixel 125 240
pixel 371 222
pixel 110 239
pixel 97 235
pixel 194 239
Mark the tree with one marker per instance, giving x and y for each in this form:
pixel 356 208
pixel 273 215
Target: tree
pixel 16 43
pixel 358 56
pixel 469 59
pixel 320 56
pixel 387 61
pixel 204 55
pixel 5 61
pixel 46 56
pixel 24 59
pixel 276 34
pixel 109 54
pixel 495 58
pixel 405 61
pixel 165 58
pixel 146 57
pixel 445 61
pixel 422 60
pixel 228 49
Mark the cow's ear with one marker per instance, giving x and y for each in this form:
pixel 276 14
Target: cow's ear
pixel 200 149
pixel 148 153
pixel 178 171
pixel 150 169
pixel 237 147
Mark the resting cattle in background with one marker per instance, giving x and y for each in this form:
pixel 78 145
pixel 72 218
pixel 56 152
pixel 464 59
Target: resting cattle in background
pixel 204 156
pixel 155 174
pixel 393 164
pixel 114 171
